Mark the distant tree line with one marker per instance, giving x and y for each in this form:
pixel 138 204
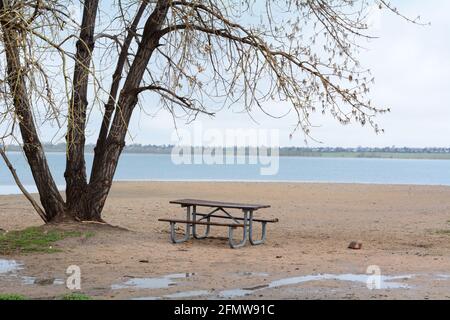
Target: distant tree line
pixel 284 151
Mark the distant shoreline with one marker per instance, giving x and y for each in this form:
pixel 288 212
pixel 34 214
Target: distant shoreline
pixel 287 152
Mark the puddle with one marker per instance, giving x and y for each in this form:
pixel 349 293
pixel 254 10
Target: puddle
pixel 188 294
pixel 148 298
pixel 253 274
pixel 235 293
pixel 42 282
pixel 152 283
pixel 443 276
pixel 179 295
pixel 7 266
pixel 9 269
pixel 385 282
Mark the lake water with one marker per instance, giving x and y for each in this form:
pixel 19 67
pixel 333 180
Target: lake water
pixel 291 169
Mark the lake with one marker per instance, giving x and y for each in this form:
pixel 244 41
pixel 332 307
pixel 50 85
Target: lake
pixel 133 167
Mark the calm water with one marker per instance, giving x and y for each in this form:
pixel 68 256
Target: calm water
pixel 339 170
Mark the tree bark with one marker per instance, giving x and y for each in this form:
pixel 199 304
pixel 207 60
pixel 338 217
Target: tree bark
pixel 50 197
pixel 77 193
pixel 102 176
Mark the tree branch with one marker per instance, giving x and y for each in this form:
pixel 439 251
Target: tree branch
pixel 27 195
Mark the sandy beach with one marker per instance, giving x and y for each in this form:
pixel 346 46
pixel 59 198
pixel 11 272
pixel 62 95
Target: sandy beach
pixel 405 231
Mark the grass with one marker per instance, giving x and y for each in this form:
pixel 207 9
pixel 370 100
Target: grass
pixel 9 296
pixel 35 239
pixel 76 296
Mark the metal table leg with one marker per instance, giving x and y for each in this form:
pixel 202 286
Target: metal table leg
pixel 250 231
pixel 244 236
pixel 194 228
pixel 187 235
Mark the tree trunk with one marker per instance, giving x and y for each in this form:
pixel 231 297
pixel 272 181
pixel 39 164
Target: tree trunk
pixel 50 197
pixel 107 160
pixel 77 193
pixel 84 201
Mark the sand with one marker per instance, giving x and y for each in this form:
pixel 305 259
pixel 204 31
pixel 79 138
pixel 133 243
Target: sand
pixel 405 232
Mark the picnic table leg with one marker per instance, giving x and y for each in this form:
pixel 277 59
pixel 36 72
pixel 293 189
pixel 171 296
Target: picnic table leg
pixel 194 227
pixel 250 232
pixel 187 235
pixel 244 236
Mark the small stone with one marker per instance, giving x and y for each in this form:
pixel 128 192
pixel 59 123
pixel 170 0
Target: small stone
pixel 143 261
pixel 355 245
pixel 45 282
pixel 279 257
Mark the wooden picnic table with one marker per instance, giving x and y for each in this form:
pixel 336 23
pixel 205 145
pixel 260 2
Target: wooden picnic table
pixel 220 211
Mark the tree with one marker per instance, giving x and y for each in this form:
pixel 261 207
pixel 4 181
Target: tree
pixel 181 55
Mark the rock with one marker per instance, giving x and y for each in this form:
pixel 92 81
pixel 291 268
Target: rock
pixel 143 261
pixel 355 245
pixel 45 282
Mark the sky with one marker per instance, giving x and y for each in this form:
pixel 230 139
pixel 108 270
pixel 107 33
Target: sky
pixel 411 65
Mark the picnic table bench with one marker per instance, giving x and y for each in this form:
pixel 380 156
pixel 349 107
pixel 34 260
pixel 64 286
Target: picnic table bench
pixel 219 211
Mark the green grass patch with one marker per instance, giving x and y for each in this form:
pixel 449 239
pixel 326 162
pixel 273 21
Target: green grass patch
pixel 35 239
pixel 443 232
pixel 8 296
pixel 76 296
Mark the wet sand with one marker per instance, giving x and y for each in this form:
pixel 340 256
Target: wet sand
pixel 405 231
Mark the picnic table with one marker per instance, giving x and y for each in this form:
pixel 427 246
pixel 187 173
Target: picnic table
pixel 219 211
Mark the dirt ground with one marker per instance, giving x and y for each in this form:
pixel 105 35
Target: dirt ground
pixel 405 231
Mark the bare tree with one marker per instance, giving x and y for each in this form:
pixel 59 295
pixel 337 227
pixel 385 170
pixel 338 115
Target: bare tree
pixel 190 57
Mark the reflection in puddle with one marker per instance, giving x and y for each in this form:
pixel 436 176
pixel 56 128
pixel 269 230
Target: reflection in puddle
pixel 235 293
pixel 7 266
pixel 187 294
pixel 382 283
pixel 152 283
pixel 253 274
pixel 147 298
pixel 179 295
pixel 385 282
pixel 42 282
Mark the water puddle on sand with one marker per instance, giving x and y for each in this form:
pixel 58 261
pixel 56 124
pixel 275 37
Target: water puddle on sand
pixel 179 295
pixel 42 282
pixel 252 274
pixel 385 282
pixel 152 283
pixel 8 266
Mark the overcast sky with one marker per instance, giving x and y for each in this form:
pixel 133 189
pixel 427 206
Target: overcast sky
pixel 411 65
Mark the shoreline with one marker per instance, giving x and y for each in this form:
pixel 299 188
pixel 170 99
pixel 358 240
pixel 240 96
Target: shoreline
pixel 61 188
